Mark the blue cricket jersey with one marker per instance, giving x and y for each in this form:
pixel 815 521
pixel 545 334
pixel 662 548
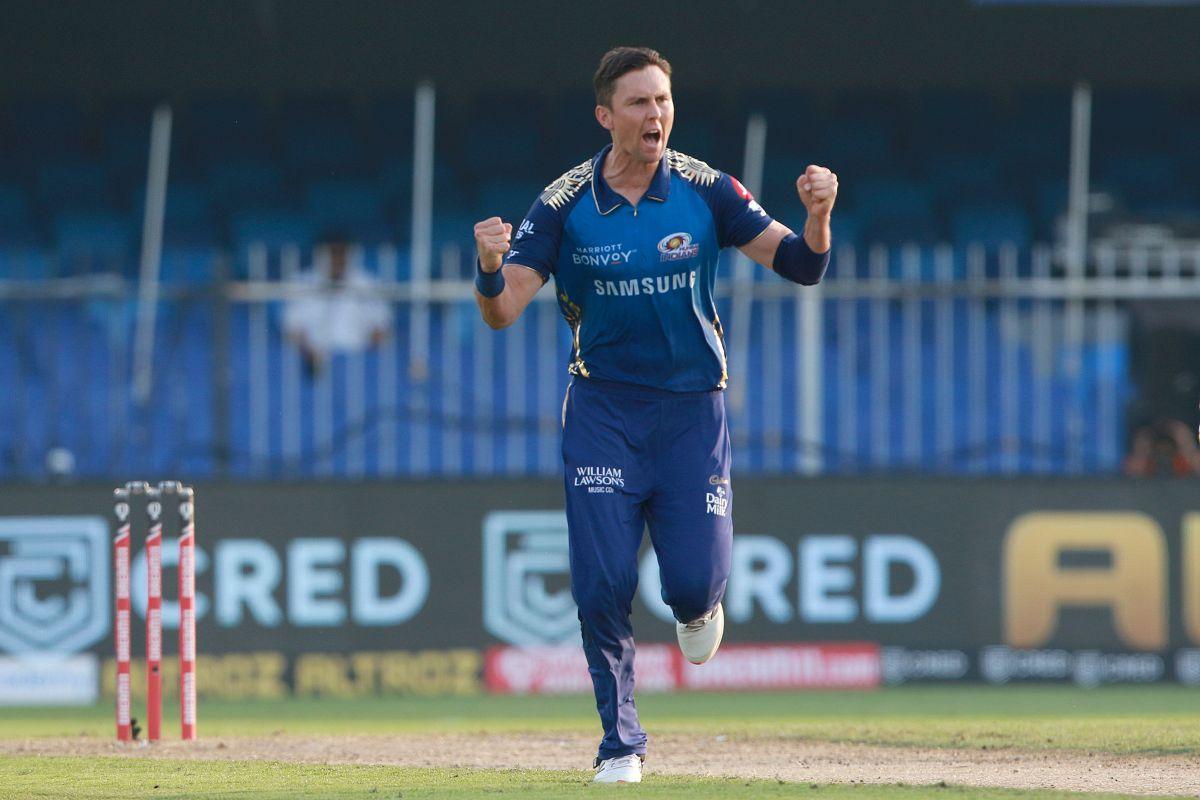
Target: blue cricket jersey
pixel 636 283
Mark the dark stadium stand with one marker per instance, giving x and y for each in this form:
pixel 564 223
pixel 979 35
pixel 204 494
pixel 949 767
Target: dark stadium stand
pixel 954 168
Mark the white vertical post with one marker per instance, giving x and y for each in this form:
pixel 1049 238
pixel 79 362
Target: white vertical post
pixel 743 269
pixel 1076 261
pixel 1077 191
pixel 424 102
pixel 422 224
pixel 151 261
pixel 811 344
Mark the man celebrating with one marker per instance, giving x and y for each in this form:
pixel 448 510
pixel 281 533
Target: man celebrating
pixel 631 237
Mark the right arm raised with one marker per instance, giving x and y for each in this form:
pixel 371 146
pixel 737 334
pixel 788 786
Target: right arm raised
pixel 521 283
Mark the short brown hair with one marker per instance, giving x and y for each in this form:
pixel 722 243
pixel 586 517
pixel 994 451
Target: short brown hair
pixel 620 60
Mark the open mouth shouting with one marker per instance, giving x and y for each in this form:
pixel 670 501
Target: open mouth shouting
pixel 652 137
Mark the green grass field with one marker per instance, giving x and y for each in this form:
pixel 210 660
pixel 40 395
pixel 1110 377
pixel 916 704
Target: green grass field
pixel 1132 722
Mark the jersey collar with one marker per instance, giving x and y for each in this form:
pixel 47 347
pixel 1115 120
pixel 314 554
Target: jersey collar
pixel 607 201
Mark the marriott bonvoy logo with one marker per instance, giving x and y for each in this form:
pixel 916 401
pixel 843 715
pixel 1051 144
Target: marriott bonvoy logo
pixel 602 255
pixel 599 480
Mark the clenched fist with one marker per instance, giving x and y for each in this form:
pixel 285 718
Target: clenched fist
pixel 818 188
pixel 491 241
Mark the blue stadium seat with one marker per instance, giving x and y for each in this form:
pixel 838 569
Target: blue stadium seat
pixel 272 228
pixel 24 262
pixel 126 138
pixel 244 185
pixel 850 142
pixel 991 226
pixel 515 153
pixel 188 265
pixel 507 199
pixel 1154 171
pixel 223 129
pixel 961 122
pixel 1049 201
pixel 965 177
pixel 74 185
pixel 40 129
pixel 892 200
pixel 99 232
pixel 94 242
pixel 16 223
pixel 309 151
pixel 390 126
pixel 1037 134
pixel 332 204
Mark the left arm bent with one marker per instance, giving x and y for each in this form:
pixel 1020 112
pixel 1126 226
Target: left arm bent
pixel 817 188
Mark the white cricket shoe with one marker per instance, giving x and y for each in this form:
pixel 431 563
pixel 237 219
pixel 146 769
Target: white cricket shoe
pixel 700 638
pixel 622 769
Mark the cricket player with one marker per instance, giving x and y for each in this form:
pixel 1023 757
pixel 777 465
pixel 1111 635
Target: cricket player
pixel 631 238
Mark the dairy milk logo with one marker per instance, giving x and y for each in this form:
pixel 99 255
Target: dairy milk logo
pixel 717 501
pixel 54 594
pixel 526 578
pixel 602 255
pixel 599 480
pixel 677 247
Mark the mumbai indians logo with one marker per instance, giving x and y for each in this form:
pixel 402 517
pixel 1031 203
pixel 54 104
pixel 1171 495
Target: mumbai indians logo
pixel 526 578
pixel 677 247
pixel 54 594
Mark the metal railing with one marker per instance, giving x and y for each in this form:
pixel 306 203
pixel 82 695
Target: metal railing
pixel 976 360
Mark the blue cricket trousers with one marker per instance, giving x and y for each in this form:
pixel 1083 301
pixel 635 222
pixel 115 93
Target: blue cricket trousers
pixel 637 457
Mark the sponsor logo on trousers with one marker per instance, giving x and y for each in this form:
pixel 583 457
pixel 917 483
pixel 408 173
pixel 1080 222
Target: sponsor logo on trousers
pixel 599 480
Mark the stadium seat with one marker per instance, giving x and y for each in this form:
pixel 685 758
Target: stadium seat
pixel 48 128
pixel 105 236
pixel 188 265
pixel 74 185
pixel 965 177
pixel 15 217
pixel 332 204
pixel 508 199
pixel 895 201
pixel 245 185
pixel 272 228
pixel 991 226
pixel 223 129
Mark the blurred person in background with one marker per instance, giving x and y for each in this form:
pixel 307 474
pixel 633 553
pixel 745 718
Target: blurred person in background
pixel 336 308
pixel 1166 447
pixel 631 237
